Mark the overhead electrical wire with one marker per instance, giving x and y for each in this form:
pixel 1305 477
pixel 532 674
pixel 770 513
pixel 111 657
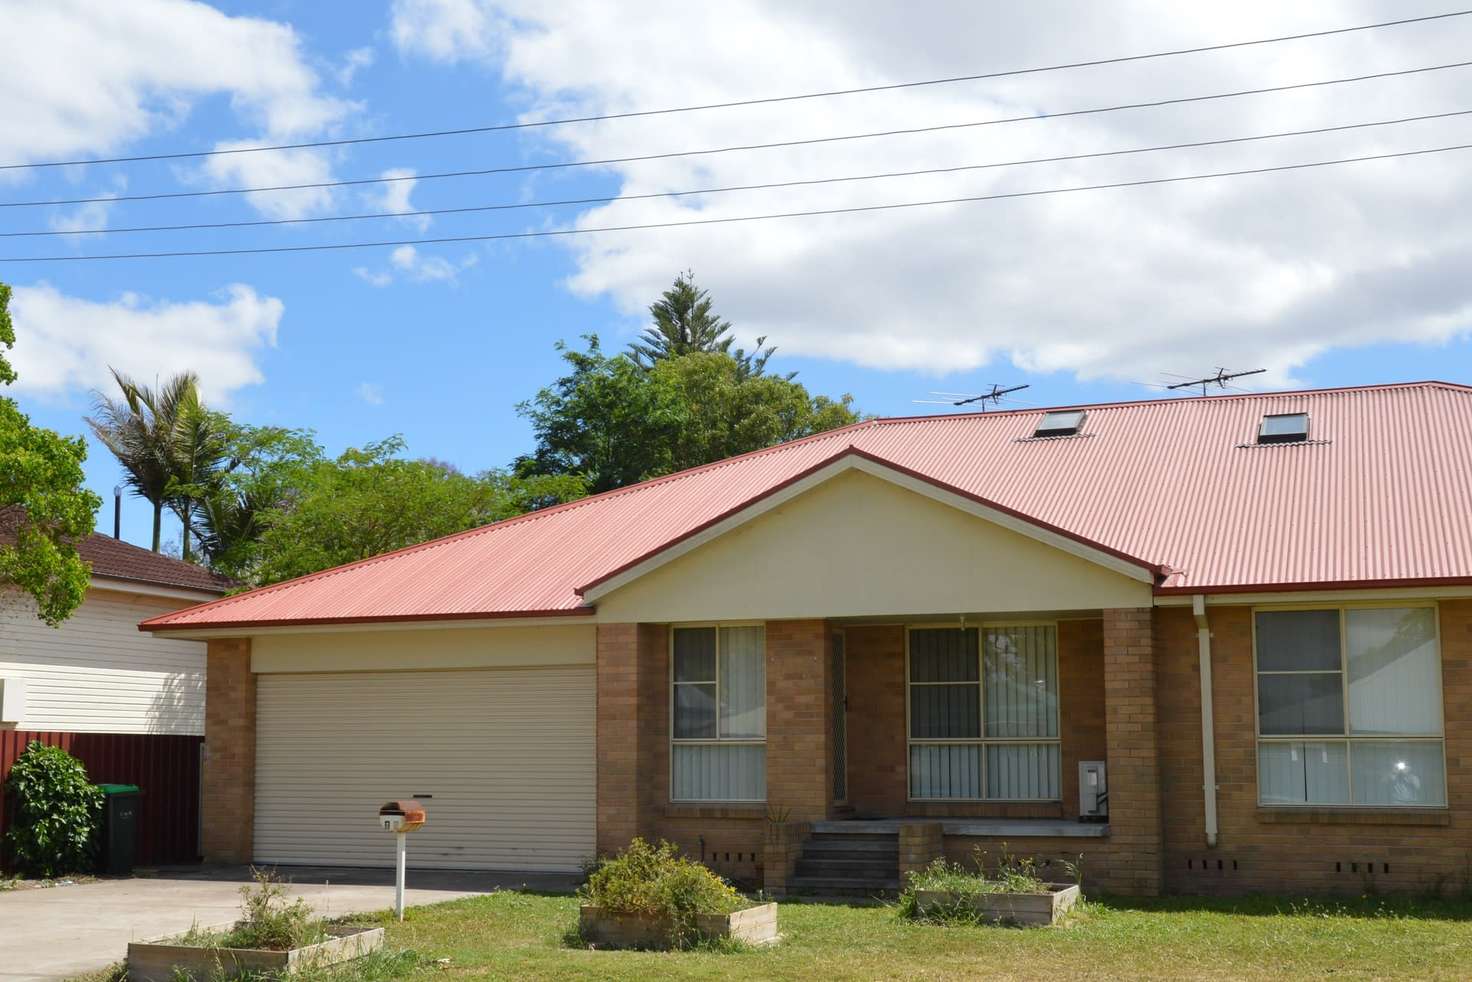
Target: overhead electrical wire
pixel 855 209
pixel 769 100
pixel 605 199
pixel 522 168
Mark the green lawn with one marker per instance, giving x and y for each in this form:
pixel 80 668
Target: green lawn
pixel 524 936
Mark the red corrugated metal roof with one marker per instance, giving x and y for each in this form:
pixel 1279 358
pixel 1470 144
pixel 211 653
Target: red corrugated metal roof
pixel 1381 494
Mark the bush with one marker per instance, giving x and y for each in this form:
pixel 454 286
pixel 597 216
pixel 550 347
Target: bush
pixel 268 921
pixel 657 882
pixel 56 812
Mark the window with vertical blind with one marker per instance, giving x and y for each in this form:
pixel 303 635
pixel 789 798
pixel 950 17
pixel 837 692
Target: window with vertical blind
pixel 983 713
pixel 718 714
pixel 1349 707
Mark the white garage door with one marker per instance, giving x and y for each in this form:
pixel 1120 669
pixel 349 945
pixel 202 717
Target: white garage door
pixel 507 755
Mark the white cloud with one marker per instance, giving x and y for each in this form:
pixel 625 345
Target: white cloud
pixel 371 393
pixel 1266 270
pixel 352 63
pixel 84 77
pixel 408 263
pixel 278 168
pixel 394 196
pixel 447 30
pixel 66 343
pixel 93 214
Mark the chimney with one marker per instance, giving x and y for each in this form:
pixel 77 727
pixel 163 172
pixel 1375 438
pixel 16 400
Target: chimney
pixel 117 511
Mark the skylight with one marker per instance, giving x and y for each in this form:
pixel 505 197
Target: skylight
pixel 1064 423
pixel 1283 428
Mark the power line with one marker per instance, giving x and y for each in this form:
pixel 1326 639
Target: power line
pixel 605 199
pixel 895 206
pixel 498 127
pixel 557 165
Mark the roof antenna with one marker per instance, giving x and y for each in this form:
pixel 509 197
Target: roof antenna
pixel 1220 379
pixel 967 398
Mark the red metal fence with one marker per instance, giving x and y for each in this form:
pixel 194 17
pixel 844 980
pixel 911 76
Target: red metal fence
pixel 165 767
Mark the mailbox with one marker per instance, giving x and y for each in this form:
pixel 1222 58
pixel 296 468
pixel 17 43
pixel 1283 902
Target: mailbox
pixel 401 816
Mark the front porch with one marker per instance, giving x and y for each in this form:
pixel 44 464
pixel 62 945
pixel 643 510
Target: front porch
pixel 873 759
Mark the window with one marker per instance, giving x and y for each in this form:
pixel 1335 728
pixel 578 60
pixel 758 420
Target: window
pixel 984 713
pixel 1283 428
pixel 718 716
pixel 1064 423
pixel 1349 707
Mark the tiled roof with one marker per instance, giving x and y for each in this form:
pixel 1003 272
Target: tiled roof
pixel 1381 494
pixel 125 561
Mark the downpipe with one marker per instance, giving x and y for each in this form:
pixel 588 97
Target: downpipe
pixel 1208 724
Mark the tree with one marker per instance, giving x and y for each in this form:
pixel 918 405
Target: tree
pixel 142 429
pixel 684 324
pixel 44 509
pixel 371 500
pixel 614 424
pixel 264 466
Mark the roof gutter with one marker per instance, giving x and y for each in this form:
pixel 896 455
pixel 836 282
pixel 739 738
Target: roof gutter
pixel 1208 722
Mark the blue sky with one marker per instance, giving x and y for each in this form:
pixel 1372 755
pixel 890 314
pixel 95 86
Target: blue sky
pixel 1342 276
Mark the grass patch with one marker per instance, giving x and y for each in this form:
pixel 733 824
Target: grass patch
pixel 521 935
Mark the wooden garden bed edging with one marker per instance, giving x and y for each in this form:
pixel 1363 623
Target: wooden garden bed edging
pixel 754 925
pixel 1025 909
pixel 156 961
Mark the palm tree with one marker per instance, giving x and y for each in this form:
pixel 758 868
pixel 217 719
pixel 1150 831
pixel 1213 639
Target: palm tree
pixel 684 323
pixel 196 453
pixel 141 429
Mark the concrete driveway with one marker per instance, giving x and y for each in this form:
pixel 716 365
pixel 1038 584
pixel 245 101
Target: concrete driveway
pixel 60 932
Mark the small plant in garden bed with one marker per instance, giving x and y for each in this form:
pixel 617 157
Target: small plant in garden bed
pixel 650 894
pixel 267 921
pixel 945 891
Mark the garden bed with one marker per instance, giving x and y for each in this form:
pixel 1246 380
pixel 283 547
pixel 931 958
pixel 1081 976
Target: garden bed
pixel 166 960
pixel 1024 909
pixel 754 925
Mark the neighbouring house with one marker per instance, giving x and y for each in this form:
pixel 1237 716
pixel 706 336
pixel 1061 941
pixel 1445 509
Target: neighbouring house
pixel 128 705
pixel 1210 644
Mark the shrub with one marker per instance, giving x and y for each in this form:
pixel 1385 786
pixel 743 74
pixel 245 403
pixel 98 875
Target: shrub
pixel 657 882
pixel 56 812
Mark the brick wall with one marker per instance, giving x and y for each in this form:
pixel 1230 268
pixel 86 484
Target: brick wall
pixel 229 773
pixel 876 724
pixel 1328 850
pixel 799 732
pixel 1135 820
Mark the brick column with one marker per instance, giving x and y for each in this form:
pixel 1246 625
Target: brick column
pixel 229 777
pixel 1135 826
pixel 781 849
pixel 799 700
pixel 632 753
pixel 618 736
pixel 921 843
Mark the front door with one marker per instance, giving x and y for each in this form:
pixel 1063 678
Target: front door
pixel 840 720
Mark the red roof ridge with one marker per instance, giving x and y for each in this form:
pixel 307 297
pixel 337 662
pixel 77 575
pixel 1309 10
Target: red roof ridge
pixel 1166 400
pixel 520 519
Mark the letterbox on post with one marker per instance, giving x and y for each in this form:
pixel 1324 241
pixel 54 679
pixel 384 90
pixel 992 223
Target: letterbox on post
pixel 400 818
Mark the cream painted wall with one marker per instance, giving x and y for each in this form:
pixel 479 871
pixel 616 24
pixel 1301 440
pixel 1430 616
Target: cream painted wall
pixel 490 647
pixel 858 545
pixel 97 673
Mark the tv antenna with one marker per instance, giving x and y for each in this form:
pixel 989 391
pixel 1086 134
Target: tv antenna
pixel 1220 379
pixel 967 398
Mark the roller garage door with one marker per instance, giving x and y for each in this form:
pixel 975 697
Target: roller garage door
pixel 507 755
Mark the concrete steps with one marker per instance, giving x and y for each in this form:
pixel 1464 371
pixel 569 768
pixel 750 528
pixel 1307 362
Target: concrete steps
pixel 848 864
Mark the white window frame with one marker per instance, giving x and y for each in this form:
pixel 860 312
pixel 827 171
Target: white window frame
pixel 717 740
pixel 982 740
pixel 1348 739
